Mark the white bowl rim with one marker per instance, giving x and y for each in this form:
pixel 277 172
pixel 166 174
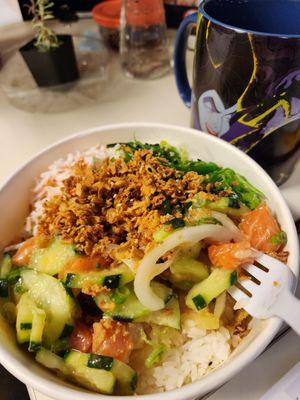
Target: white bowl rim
pixel 188 391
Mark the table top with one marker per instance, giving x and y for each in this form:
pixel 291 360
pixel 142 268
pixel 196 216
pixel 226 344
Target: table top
pixel 23 134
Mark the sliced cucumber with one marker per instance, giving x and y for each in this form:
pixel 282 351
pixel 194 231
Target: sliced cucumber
pixel 37 330
pixel 92 377
pixel 50 295
pixel 14 275
pixel 25 308
pixel 169 316
pixel 111 278
pixel 5 265
pixel 228 205
pixel 188 269
pixel 52 258
pixel 130 310
pixel 162 233
pixel 191 251
pixel 50 360
pixel 133 310
pixel 169 227
pixel 204 292
pixel 125 377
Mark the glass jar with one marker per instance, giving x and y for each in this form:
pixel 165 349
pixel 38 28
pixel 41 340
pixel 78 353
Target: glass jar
pixel 144 46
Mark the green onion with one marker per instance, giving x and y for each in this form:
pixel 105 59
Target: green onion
pixel 209 220
pixel 279 238
pixel 155 356
pixel 127 157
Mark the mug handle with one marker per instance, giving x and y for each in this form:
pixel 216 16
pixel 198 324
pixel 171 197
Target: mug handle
pixel 182 35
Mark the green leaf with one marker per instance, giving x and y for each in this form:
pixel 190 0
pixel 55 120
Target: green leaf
pixel 222 178
pixel 227 179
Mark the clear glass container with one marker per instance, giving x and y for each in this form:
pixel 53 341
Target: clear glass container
pixel 143 45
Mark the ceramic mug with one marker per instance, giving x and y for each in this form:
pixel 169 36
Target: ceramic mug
pixel 246 81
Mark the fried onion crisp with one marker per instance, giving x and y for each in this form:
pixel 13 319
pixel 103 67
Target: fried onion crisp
pixel 113 203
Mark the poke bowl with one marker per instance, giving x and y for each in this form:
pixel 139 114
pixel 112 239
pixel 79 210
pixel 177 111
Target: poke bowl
pixel 118 245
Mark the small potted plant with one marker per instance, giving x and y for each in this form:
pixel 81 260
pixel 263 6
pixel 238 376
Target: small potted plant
pixel 49 57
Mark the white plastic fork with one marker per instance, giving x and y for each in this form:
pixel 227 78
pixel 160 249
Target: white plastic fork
pixel 268 291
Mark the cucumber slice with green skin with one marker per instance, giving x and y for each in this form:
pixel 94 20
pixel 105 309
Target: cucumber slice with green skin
pixel 52 259
pixel 50 295
pixel 169 227
pixel 99 380
pixel 169 316
pixel 111 278
pixel 129 311
pixel 14 275
pixel 132 310
pixel 24 318
pixel 38 325
pixel 228 206
pixel 50 360
pixel 125 376
pixel 204 292
pixel 191 251
pixel 5 265
pixel 189 269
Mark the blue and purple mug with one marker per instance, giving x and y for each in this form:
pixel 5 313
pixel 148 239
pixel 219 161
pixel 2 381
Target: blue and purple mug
pixel 246 81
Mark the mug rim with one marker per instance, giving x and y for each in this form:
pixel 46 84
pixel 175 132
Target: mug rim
pixel 201 10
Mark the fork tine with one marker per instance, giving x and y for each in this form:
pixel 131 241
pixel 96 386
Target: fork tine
pixel 255 271
pixel 249 285
pixel 268 261
pixel 238 294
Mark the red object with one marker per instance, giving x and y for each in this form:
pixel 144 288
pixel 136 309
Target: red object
pixel 111 338
pixel 259 226
pixel 81 338
pixel 107 14
pixel 230 255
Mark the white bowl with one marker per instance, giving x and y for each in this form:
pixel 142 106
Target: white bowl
pixel 14 200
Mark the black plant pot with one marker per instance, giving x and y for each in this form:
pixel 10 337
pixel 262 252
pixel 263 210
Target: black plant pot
pixel 53 67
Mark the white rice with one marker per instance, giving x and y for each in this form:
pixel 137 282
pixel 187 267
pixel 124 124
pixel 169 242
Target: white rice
pixel 56 174
pixel 199 352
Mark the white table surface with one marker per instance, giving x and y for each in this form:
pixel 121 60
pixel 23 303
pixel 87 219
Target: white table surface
pixel 23 134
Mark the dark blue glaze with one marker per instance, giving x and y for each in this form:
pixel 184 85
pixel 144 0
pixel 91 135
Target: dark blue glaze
pixel 179 59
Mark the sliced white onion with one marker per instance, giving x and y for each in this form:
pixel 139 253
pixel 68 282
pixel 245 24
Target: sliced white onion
pixel 161 267
pixel 130 264
pixel 147 269
pixel 228 223
pixel 157 270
